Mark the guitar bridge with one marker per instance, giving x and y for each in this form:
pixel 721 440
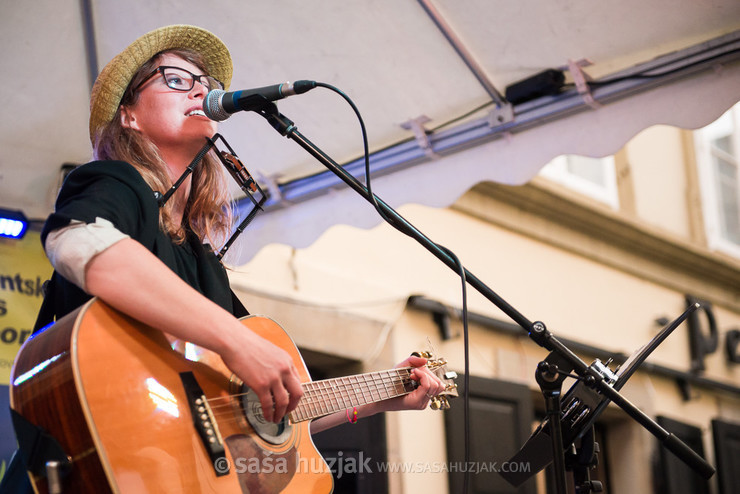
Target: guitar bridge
pixel 205 423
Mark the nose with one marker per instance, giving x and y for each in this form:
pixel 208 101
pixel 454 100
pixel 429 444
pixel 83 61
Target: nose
pixel 199 89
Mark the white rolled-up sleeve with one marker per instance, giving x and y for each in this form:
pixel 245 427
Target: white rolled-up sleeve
pixel 72 247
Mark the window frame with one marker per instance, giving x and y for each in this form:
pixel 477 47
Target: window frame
pixel 557 171
pixel 712 215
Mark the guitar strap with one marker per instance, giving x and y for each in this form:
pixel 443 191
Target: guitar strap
pixel 15 480
pixel 36 449
pixel 238 309
pixel 46 311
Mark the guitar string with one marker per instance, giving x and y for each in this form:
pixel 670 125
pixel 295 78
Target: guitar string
pixel 310 383
pixel 377 386
pixel 320 394
pixel 223 416
pixel 315 403
pixel 320 402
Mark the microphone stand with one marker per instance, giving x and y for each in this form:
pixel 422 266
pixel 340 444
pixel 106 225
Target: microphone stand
pixel 552 375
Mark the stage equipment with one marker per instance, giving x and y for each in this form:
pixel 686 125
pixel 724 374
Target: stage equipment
pixel 219 105
pixel 238 172
pixel 13 224
pixel 577 411
pixel 547 83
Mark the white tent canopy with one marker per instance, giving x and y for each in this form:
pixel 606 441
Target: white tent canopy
pixel 394 61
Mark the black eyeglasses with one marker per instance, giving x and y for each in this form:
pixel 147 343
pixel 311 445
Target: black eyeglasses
pixel 182 80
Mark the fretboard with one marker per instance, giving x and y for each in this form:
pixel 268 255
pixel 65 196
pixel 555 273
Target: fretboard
pixel 332 395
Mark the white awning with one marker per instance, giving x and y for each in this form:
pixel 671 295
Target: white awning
pixel 511 153
pixel 397 60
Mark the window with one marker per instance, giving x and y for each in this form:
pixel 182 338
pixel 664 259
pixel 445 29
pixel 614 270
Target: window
pixel 501 417
pixel 672 475
pixel 727 453
pixel 592 177
pixel 718 162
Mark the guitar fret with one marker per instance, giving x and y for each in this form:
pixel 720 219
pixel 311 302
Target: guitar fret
pixel 338 394
pixel 345 388
pixel 312 402
pixel 344 401
pixel 368 381
pixel 383 390
pixel 323 402
pixel 377 379
pixel 389 386
pixel 360 389
pixel 353 389
pixel 374 386
pixel 318 399
pixel 400 388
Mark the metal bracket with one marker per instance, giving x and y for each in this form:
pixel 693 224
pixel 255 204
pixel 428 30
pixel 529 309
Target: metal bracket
pixel 501 115
pixel 416 125
pixel 581 79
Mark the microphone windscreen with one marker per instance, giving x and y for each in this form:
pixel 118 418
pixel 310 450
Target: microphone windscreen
pixel 212 106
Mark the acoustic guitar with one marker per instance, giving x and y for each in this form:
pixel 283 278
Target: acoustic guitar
pixel 136 413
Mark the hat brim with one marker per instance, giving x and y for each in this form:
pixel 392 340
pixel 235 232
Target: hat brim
pixel 115 77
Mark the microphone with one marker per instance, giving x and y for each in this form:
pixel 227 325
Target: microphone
pixel 219 105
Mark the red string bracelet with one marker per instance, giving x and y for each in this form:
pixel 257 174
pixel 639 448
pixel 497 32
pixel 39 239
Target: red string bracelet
pixel 353 418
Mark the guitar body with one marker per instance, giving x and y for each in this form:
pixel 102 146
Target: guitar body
pixel 112 393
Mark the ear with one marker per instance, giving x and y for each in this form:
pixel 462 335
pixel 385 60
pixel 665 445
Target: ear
pixel 128 118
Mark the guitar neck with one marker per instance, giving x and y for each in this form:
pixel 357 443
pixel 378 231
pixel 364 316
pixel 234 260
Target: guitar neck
pixel 332 395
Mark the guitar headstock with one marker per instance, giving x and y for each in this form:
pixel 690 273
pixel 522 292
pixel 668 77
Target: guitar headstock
pixel 439 367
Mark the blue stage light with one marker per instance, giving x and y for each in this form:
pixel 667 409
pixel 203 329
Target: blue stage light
pixel 13 224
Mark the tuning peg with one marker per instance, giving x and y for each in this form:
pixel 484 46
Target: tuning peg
pixel 439 403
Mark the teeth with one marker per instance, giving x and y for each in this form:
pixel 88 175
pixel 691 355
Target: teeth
pixel 196 112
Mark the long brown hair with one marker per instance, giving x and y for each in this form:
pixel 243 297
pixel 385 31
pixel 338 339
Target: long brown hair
pixel 209 210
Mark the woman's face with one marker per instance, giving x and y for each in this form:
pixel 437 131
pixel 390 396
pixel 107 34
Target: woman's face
pixel 171 119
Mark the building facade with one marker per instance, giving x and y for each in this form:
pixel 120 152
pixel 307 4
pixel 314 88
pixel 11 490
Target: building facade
pixel 606 252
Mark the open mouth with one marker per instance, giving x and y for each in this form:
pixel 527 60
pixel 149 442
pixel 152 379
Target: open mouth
pixel 193 113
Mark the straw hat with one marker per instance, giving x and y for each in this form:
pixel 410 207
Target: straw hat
pixel 116 76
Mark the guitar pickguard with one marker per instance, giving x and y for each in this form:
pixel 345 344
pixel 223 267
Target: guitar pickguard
pixel 261 470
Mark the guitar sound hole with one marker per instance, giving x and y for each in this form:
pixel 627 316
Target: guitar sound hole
pixel 273 433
